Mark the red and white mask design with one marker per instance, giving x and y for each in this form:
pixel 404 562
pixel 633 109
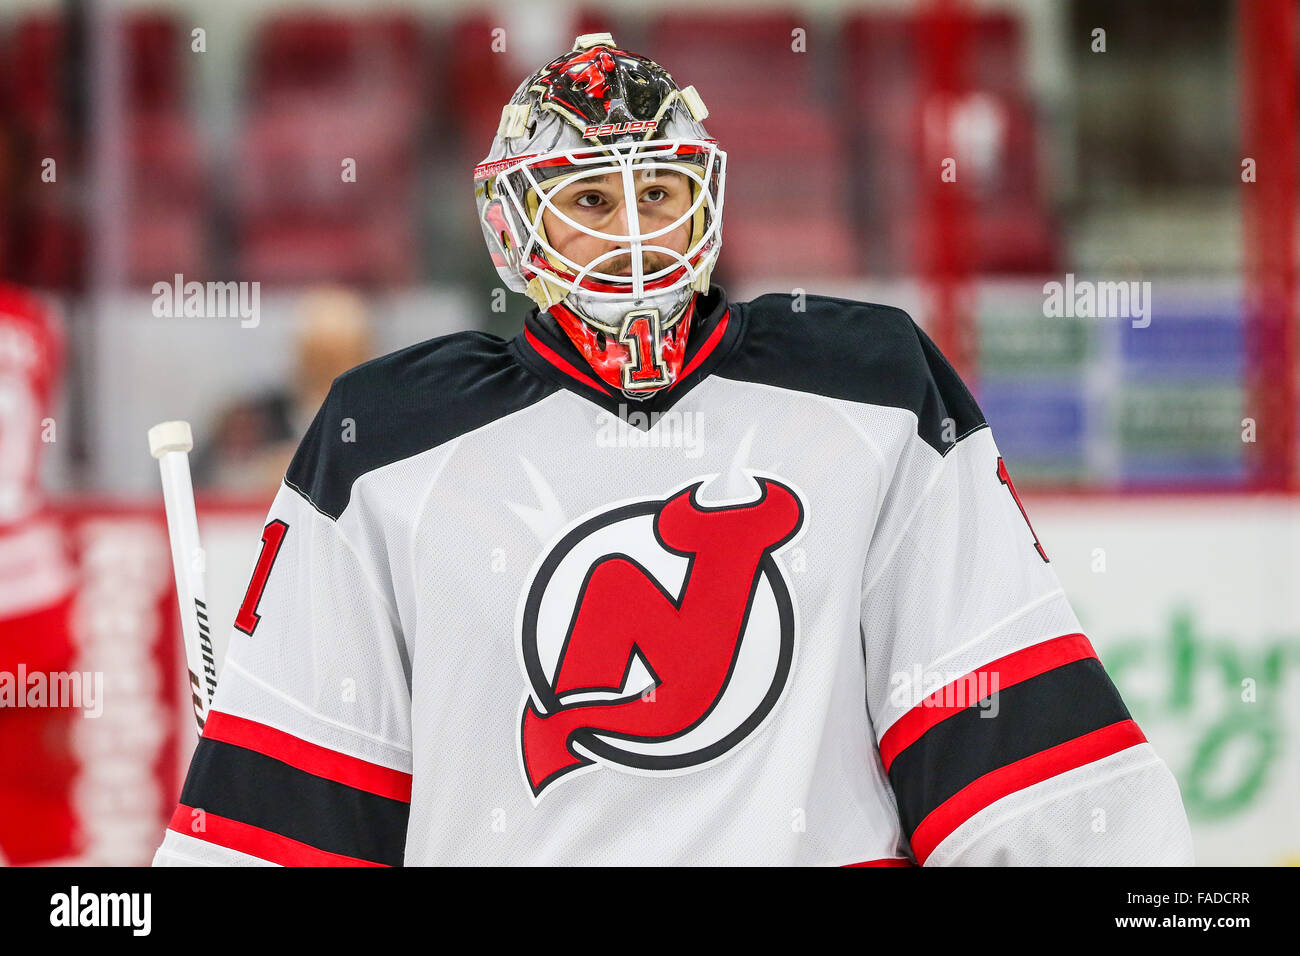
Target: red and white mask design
pixel 623 285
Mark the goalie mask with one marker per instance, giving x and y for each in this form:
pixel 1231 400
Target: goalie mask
pixel 615 121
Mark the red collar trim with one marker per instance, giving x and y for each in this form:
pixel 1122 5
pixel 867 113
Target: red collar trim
pixel 709 345
pixel 546 352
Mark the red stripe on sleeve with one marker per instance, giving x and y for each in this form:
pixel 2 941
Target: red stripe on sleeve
pixel 1001 673
pixel 991 787
pixel 257 842
pixel 310 758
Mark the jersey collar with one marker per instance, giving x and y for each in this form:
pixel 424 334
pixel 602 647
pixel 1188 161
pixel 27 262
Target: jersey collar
pixel 543 347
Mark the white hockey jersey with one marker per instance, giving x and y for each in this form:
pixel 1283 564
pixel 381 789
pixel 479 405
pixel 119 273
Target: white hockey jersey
pixel 788 611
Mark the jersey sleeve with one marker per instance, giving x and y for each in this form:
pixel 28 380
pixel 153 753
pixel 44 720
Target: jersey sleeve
pixel 305 756
pixel 1003 738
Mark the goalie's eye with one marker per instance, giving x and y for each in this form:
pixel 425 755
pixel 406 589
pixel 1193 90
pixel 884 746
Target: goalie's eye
pixel 585 205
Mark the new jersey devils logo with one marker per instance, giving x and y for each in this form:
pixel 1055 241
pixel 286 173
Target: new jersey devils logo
pixel 657 636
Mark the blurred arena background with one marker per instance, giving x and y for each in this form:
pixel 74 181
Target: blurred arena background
pixel 324 152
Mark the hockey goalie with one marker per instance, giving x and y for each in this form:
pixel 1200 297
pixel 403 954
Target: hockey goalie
pixel 663 579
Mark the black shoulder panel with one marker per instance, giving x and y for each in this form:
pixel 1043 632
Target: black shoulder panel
pixel 855 351
pixel 403 404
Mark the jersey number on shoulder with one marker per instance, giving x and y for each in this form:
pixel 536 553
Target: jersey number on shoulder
pixel 1005 478
pixel 272 537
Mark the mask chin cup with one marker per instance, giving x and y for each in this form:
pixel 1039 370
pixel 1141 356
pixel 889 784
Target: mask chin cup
pixel 606 314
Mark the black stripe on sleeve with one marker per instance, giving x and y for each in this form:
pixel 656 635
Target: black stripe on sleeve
pixel 258 790
pixel 1033 715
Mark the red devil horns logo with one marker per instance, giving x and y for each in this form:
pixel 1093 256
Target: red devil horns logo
pixel 629 670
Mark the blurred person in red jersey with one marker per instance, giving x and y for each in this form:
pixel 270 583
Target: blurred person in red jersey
pixel 37 767
pixel 254 438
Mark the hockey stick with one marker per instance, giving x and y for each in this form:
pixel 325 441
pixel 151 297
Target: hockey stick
pixel 170 443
